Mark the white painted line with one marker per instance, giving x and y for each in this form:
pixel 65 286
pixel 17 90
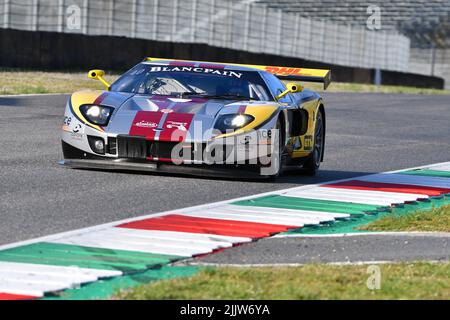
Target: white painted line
pixel 354 196
pixel 293 265
pixel 343 198
pixel 50 269
pixel 200 238
pixel 357 234
pixel 251 218
pixel 31 277
pixel 36 279
pixel 126 234
pixel 305 214
pixel 29 288
pixel 441 168
pixel 115 238
pixel 118 245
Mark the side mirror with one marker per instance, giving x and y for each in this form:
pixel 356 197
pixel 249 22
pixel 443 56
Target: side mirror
pixel 98 75
pixel 290 88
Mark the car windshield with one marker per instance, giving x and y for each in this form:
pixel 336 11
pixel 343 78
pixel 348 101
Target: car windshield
pixel 188 81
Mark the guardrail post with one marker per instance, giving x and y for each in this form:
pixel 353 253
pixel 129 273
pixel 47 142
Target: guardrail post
pixel 295 43
pixel 6 8
pixel 174 20
pixel 85 16
pixel 60 27
pixel 211 22
pixel 262 42
pixel 433 59
pixel 377 77
pixel 155 18
pixel 133 19
pixel 279 31
pixel 193 19
pixel 246 25
pixel 111 17
pixel 34 15
pixel 228 36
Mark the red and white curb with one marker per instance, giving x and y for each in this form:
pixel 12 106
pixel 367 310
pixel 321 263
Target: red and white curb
pixel 33 268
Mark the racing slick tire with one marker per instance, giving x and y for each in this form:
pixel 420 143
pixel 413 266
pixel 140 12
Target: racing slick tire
pixel 312 164
pixel 277 156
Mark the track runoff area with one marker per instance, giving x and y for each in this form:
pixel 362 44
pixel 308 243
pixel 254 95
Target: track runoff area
pixel 49 265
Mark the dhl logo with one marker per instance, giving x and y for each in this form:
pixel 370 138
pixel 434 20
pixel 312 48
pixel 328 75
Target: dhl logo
pixel 284 71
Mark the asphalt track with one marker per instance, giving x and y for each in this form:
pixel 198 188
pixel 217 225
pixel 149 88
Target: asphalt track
pixel 340 249
pixel 366 133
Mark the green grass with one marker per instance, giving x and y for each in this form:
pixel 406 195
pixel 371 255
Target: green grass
pixel 18 81
pixel 315 281
pixel 32 82
pixel 434 220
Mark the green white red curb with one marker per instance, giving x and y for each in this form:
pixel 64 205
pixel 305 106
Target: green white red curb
pixel 42 266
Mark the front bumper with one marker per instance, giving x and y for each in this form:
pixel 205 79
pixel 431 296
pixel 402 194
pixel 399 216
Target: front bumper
pixel 80 159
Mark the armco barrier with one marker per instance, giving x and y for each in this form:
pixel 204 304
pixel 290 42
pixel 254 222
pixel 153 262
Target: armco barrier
pixel 52 50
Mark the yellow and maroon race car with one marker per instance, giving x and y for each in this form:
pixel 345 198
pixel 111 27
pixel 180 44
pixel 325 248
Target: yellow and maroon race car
pixel 198 117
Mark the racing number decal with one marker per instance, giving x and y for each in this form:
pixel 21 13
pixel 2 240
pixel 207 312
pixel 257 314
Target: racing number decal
pixel 67 120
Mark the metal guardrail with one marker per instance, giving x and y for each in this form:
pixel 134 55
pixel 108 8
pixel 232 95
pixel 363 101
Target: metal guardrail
pixel 243 25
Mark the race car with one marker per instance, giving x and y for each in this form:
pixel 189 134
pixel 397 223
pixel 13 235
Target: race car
pixel 220 119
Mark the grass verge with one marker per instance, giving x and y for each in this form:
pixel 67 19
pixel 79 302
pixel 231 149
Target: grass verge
pixel 315 281
pixel 13 81
pixel 28 82
pixel 437 219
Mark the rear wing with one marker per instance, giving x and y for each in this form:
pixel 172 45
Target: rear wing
pixel 283 73
pixel 297 74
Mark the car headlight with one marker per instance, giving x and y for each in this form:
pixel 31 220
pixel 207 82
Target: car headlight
pixel 97 114
pixel 233 122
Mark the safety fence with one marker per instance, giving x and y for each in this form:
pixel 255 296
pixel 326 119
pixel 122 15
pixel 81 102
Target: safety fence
pixel 242 25
pixel 435 62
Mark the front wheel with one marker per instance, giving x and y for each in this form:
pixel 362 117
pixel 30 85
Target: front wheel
pixel 276 164
pixel 313 163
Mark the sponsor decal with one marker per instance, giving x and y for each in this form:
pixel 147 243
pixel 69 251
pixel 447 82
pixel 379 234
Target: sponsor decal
pixel 76 136
pixel 177 125
pixel 220 72
pixel 145 117
pixel 308 142
pixel 284 71
pixel 145 124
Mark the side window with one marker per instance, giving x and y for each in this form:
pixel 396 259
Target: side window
pixel 276 87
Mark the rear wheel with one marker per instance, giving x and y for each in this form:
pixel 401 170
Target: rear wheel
pixel 313 163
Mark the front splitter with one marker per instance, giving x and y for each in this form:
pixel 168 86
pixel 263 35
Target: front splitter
pixel 224 171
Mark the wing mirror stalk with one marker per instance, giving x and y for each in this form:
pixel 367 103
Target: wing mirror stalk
pixel 290 88
pixel 98 75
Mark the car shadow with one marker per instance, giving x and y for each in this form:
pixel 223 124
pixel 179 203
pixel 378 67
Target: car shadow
pixel 289 178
